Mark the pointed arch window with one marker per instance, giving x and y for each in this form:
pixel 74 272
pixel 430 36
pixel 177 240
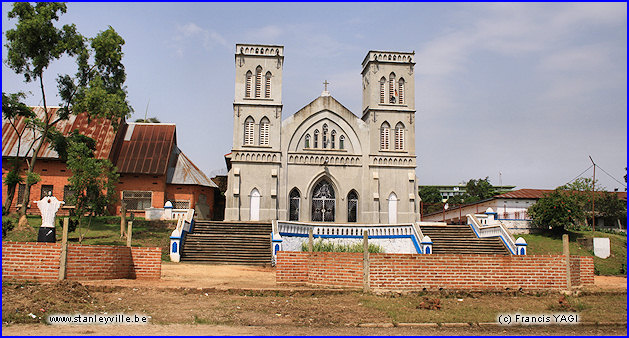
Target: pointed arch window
pixel 294 199
pixel 352 206
pixel 324 142
pixel 400 85
pixel 392 89
pixel 399 136
pixel 258 81
pixel 382 96
pixel 316 139
pixel 249 125
pixel 248 81
pixel 342 142
pixel 384 136
pixel 267 85
pixel 333 139
pixel 307 141
pixel 264 131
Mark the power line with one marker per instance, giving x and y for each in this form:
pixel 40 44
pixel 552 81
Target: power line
pixel 612 176
pixel 580 174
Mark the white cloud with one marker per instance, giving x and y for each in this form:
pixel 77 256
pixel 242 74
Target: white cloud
pixel 266 34
pixel 192 33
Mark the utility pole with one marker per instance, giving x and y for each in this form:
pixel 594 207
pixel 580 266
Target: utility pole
pixel 593 192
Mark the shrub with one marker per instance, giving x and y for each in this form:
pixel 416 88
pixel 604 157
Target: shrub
pixel 321 246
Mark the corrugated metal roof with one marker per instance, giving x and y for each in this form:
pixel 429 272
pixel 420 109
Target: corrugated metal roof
pixel 185 172
pixel 539 193
pixel 99 129
pixel 146 148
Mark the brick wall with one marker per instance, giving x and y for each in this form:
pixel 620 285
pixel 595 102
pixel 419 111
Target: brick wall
pixel 416 272
pixel 40 261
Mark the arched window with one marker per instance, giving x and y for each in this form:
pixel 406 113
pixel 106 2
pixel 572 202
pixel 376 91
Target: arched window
pixel 392 89
pixel 316 139
pixel 382 96
pixel 307 141
pixel 399 136
pixel 352 206
pixel 401 91
pixel 384 136
pixel 333 139
pixel 324 142
pixel 264 131
pixel 342 142
pixel 267 85
pixel 393 208
pixel 254 205
pixel 258 81
pixel 248 80
pixel 323 202
pixel 294 197
pixel 249 131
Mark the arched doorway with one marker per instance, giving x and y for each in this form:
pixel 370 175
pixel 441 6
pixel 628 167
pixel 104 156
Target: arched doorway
pixel 393 208
pixel 254 206
pixel 323 202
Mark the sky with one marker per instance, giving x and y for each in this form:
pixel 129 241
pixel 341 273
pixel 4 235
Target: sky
pixel 520 93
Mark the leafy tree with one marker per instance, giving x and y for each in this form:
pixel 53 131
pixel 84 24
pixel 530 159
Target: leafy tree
pixel 98 86
pixel 610 207
pixel 12 111
pixel 93 182
pixel 149 120
pixel 431 199
pixel 558 210
pixel 479 190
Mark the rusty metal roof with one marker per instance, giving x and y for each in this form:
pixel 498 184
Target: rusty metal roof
pixel 146 148
pixel 539 193
pixel 99 129
pixel 185 172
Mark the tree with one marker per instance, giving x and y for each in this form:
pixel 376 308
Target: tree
pixel 558 210
pixel 479 189
pixel 149 120
pixel 98 86
pixel 93 181
pixel 431 198
pixel 12 111
pixel 611 208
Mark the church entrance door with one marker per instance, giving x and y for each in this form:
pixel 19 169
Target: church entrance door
pixel 254 211
pixel 323 202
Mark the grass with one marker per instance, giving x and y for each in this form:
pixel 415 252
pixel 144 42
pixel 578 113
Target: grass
pixel 105 230
pixel 325 246
pixel 550 243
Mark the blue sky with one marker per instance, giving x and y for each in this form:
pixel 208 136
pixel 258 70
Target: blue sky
pixel 529 90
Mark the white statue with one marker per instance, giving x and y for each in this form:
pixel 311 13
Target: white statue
pixel 48 207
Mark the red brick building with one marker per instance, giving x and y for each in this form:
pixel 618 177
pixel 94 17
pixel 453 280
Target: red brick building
pixel 152 168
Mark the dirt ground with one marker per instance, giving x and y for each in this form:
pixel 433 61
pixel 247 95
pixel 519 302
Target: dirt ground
pixel 194 299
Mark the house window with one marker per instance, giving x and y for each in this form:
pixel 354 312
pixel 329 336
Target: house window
pixel 68 194
pixel 399 136
pixel 46 190
pixel 401 91
pixel 181 204
pixel 249 131
pixel 258 81
pixel 249 79
pixel 294 198
pixel 382 82
pixel 384 136
pixel 267 85
pixel 264 132
pixel 137 200
pixel 20 193
pixel 307 141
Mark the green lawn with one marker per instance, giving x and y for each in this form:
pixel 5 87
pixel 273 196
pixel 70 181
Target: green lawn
pixel 551 243
pixel 106 231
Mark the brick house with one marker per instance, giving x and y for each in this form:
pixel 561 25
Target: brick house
pixel 152 168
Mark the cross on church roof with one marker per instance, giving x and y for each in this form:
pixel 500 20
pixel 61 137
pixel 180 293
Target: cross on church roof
pixel 325 91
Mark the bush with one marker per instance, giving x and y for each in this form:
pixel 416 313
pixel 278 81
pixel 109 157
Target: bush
pixel 321 246
pixel 7 225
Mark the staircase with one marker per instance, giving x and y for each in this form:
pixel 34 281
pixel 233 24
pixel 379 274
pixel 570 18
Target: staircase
pixel 211 242
pixel 461 240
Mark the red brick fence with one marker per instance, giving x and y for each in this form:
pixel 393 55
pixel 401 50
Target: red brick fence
pixel 432 272
pixel 41 262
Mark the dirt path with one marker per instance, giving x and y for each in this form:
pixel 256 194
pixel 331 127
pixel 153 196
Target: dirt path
pixel 221 330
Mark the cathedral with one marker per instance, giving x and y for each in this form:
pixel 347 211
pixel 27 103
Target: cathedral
pixel 323 163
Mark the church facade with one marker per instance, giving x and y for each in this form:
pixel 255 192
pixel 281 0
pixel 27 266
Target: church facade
pixel 323 163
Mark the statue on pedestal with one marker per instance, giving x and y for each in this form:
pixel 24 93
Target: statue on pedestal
pixel 48 206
